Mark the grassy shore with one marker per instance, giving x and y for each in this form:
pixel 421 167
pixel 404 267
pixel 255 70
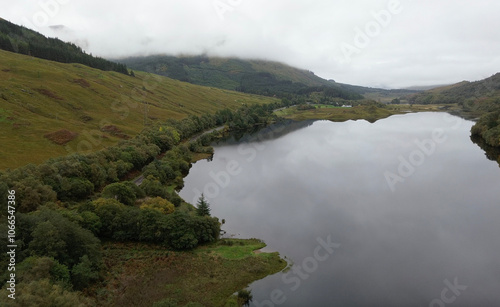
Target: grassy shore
pixel 369 113
pixel 140 274
pixel 337 114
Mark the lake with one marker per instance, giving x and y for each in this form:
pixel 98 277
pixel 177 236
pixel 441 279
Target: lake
pixel 401 212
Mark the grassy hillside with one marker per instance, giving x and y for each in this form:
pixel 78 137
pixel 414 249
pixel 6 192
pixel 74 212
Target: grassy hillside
pixel 464 93
pixel 50 109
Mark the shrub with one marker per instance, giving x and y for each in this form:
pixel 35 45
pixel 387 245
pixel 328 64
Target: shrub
pixel 121 192
pixel 84 273
pixel 159 204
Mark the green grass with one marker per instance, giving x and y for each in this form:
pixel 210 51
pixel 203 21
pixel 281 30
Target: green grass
pixel 4 116
pixel 41 97
pixel 235 248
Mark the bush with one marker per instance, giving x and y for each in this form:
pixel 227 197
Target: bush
pixel 207 229
pixel 42 293
pixel 153 188
pixel 91 221
pixel 119 222
pixel 48 241
pixel 180 231
pixel 84 273
pixel 32 193
pixel 184 231
pixel 175 199
pixel 121 192
pixel 488 127
pixel 245 297
pixel 109 212
pixel 149 226
pixel 159 204
pixel 36 268
pixel 66 241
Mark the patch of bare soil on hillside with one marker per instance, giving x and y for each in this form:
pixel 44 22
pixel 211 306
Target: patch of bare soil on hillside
pixel 48 93
pixel 115 131
pixel 82 82
pixel 61 137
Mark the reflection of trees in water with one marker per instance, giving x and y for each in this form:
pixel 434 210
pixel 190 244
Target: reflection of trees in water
pixel 271 132
pixel 493 153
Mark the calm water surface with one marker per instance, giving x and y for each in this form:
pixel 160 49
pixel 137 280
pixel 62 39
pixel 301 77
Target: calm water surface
pixel 401 212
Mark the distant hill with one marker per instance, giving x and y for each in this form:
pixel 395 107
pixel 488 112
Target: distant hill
pixel 478 99
pixel 255 76
pixel 378 94
pixel 21 40
pixel 425 87
pixel 50 109
pixel 249 76
pixel 464 93
pixel 219 72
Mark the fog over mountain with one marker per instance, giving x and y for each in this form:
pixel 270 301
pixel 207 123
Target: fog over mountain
pixel 375 43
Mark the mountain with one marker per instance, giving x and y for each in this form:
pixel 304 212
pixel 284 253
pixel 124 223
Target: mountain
pixel 50 109
pixel 219 72
pixel 21 40
pixel 249 76
pixel 255 76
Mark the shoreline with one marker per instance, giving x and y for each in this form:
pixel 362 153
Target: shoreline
pixel 151 273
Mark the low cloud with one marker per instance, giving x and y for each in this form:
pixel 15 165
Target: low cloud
pixel 426 43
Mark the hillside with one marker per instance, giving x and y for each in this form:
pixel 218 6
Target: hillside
pixel 219 72
pixel 425 88
pixel 477 99
pixel 50 109
pixel 378 94
pixel 22 40
pixel 250 76
pixel 464 93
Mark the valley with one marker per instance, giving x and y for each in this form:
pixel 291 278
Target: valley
pixel 107 158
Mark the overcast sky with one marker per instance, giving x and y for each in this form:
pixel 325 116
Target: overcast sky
pixel 382 43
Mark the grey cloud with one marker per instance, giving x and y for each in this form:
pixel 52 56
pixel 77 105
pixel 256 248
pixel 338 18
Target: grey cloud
pixel 427 42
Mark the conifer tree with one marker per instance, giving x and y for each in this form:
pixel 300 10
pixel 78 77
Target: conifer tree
pixel 203 207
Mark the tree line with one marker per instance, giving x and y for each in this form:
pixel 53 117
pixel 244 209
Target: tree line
pixel 21 40
pixel 66 205
pixel 488 127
